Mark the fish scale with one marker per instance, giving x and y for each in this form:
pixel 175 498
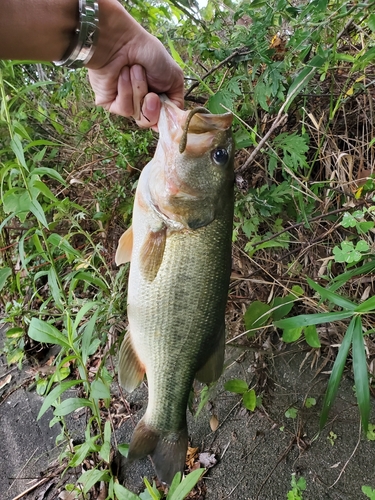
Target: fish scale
pixel 181 288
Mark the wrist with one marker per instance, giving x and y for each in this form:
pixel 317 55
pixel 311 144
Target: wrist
pixel 117 28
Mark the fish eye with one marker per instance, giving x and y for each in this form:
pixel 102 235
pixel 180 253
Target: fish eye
pixel 220 156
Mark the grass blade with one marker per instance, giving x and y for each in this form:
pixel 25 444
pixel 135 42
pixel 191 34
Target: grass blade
pixel 336 299
pixel 367 306
pixel 336 375
pixel 360 373
pixel 311 319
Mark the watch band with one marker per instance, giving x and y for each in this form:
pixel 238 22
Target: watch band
pixel 85 38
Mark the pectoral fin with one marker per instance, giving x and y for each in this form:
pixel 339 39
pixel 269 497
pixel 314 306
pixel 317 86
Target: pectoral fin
pixel 213 367
pixel 130 369
pixel 125 247
pixel 152 252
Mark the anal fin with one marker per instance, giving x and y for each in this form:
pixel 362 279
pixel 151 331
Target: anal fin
pixel 125 247
pixel 152 252
pixel 213 367
pixel 130 369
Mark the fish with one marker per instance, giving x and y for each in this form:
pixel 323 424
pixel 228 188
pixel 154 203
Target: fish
pixel 179 249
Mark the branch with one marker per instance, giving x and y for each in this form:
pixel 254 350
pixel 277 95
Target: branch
pixel 237 52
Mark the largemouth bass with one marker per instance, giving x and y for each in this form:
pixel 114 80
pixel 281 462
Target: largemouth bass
pixel 179 246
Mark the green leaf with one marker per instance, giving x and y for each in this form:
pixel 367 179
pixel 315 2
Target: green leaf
pixel 56 393
pixel 204 397
pixel 312 319
pixel 37 210
pixel 336 374
pixel 107 431
pixel 49 172
pixel 54 287
pixel 310 402
pixel 89 278
pixel 42 188
pixel 371 432
pixel 88 335
pixel 215 102
pixel 175 482
pixel 14 333
pixel 186 485
pixel 82 312
pixel 123 494
pixel 249 400
pixel 17 149
pixel 176 56
pixel 91 477
pixel 303 78
pixel 5 272
pixel 123 449
pixel 105 451
pixel 292 334
pixel 291 412
pixel 360 373
pixel 61 242
pixel 81 451
pixel 335 298
pixel 371 22
pixel 152 491
pixel 257 315
pixel 236 385
pixel 70 405
pixel 366 306
pixel 99 390
pixel 44 332
pixel 367 490
pixel 311 336
pixel 282 306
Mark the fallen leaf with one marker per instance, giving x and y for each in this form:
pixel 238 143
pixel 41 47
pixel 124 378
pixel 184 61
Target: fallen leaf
pixel 191 457
pixel 5 381
pixel 335 465
pixel 214 423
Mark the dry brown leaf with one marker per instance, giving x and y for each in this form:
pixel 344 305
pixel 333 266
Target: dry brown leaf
pixel 214 423
pixel 5 381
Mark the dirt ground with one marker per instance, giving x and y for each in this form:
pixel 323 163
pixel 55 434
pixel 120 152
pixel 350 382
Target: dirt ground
pixel 256 453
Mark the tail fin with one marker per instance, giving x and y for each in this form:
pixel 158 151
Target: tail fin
pixel 167 450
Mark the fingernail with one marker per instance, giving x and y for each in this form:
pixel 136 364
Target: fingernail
pixel 138 72
pixel 150 102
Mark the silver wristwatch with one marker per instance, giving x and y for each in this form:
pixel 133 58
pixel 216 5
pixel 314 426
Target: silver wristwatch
pixel 86 36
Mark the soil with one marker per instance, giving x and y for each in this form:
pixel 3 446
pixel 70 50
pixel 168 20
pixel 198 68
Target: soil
pixel 256 452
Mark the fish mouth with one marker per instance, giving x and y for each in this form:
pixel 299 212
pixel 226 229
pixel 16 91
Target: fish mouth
pixel 190 127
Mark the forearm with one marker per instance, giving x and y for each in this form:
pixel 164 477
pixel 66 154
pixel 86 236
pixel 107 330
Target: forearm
pixel 36 29
pixel 43 29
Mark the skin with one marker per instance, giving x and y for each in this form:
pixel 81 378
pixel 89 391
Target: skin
pixel 128 69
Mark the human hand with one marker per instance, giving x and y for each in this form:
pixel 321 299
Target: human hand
pixel 130 67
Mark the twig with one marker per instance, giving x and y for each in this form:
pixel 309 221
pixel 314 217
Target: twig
pixel 314 219
pixel 188 14
pixel 27 462
pixel 232 490
pixel 36 485
pixel 278 121
pixel 285 453
pixel 351 456
pixel 212 70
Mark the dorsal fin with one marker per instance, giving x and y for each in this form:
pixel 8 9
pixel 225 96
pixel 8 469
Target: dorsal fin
pixel 125 247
